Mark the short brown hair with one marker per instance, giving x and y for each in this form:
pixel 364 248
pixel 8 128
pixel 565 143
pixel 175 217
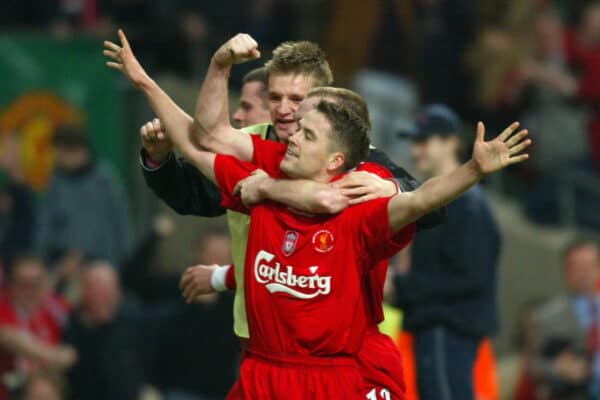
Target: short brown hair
pixel 345 98
pixel 305 58
pixel 256 75
pixel 349 130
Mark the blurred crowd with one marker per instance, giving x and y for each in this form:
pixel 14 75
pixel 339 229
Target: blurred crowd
pixel 496 60
pixel 82 306
pixel 83 313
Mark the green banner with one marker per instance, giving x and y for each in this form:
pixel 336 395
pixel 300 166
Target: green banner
pixel 46 82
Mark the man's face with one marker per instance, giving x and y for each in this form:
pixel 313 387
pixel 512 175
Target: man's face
pixel 101 295
pixel 253 108
pixel 309 153
pixel 429 154
pixel 71 158
pixel 582 268
pixel 28 285
pixel 286 92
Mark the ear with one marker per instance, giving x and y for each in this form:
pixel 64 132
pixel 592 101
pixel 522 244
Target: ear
pixel 336 161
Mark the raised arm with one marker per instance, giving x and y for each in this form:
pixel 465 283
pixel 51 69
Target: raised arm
pixel 488 157
pixel 212 127
pixel 177 124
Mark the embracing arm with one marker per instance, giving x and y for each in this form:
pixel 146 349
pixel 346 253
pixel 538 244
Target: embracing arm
pixel 488 157
pixel 305 195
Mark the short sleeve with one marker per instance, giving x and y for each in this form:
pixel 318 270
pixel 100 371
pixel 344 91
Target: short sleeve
pixel 268 155
pixel 372 222
pixel 228 172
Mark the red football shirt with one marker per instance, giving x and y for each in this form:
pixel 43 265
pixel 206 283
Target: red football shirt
pixel 304 275
pixel 45 324
pixel 268 155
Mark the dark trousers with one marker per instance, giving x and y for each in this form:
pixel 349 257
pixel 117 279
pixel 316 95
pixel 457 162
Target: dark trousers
pixel 445 364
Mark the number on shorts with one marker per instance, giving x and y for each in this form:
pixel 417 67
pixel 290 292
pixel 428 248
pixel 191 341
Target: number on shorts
pixel 384 394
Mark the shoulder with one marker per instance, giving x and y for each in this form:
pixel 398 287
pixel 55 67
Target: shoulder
pixel 260 129
pixel 375 168
pixel 554 308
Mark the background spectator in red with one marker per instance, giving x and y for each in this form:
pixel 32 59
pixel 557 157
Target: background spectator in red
pixel 28 306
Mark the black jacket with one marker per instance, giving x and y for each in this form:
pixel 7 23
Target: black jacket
pixel 453 276
pixel 184 189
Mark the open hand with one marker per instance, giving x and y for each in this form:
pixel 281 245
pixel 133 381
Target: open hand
pixel 124 60
pixel 499 153
pixel 361 186
pixel 237 50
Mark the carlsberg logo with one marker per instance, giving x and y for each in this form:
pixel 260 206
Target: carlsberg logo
pixel 282 279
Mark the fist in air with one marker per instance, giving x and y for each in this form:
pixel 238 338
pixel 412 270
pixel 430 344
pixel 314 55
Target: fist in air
pixel 155 140
pixel 237 50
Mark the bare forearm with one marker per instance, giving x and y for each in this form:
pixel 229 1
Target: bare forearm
pixel 23 345
pixel 406 208
pixel 212 106
pixel 211 128
pixel 177 123
pixel 304 195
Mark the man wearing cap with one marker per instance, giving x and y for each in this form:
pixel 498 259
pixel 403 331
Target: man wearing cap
pixel 448 293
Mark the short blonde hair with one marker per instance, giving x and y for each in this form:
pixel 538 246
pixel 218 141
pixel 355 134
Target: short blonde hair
pixel 303 58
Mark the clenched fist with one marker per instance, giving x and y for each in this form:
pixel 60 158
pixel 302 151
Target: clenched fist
pixel 155 140
pixel 196 282
pixel 237 50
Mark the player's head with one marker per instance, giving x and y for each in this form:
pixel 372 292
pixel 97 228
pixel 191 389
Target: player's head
pixel 582 266
pixel 435 139
pixel 253 107
pixel 294 69
pixel 330 140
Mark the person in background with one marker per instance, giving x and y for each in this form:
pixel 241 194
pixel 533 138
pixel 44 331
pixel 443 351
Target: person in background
pixel 448 292
pixel 17 207
pixel 27 308
pixel 45 385
pixel 197 357
pixel 83 194
pixel 566 360
pixel 253 107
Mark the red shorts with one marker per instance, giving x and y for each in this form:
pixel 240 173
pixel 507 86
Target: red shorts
pixel 380 364
pixel 269 378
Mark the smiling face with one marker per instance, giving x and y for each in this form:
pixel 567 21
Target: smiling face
pixel 286 92
pixel 310 154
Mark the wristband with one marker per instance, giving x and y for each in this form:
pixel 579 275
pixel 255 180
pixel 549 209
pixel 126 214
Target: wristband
pixel 217 279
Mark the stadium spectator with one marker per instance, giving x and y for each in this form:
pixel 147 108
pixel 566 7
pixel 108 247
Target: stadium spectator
pixel 82 195
pixel 567 329
pixel 198 355
pixel 449 297
pixel 17 208
pixel 114 339
pixel 583 51
pixel 29 308
pixel 45 385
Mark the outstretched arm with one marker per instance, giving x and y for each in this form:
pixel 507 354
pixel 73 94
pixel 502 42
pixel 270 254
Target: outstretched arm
pixel 177 123
pixel 488 157
pixel 212 127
